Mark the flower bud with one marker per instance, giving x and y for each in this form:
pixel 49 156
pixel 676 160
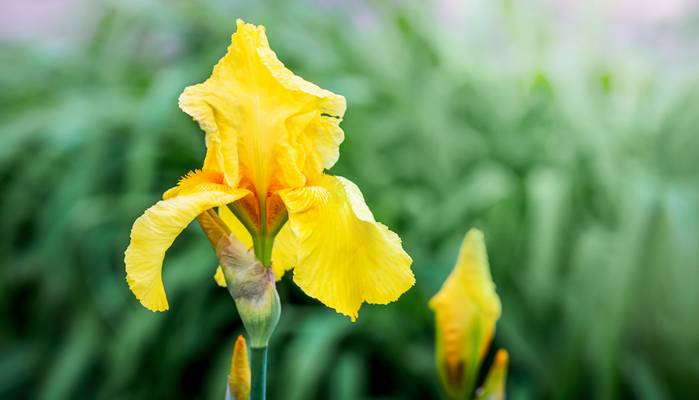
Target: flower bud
pixel 253 289
pixel 466 309
pixel 494 386
pixel 239 377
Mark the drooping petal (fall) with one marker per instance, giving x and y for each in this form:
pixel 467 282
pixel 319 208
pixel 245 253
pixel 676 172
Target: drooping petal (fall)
pixel 193 181
pixel 239 377
pixel 265 127
pixel 466 309
pixel 153 233
pixel 285 251
pixel 344 256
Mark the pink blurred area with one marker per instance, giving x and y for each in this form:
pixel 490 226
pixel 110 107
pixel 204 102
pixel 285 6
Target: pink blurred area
pixel 656 25
pixel 627 12
pixel 36 20
pixel 643 11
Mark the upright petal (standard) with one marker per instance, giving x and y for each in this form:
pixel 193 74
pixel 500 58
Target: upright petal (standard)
pixel 266 128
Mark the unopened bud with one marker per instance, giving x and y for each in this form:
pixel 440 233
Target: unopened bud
pixel 466 310
pixel 494 386
pixel 253 289
pixel 239 377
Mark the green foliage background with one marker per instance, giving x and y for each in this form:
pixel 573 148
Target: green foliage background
pixel 577 159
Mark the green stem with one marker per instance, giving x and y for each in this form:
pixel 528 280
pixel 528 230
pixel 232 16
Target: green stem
pixel 261 246
pixel 263 249
pixel 258 369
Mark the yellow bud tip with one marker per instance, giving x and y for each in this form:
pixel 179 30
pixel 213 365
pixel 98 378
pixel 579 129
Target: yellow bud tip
pixel 502 358
pixel 474 234
pixel 494 386
pixel 239 377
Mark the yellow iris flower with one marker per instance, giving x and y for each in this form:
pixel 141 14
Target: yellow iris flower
pixel 270 135
pixel 466 309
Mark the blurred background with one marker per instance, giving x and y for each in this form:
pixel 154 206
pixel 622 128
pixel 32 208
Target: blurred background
pixel 567 131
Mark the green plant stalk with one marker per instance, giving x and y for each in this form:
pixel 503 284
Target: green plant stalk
pixel 263 242
pixel 258 370
pixel 263 249
pixel 258 355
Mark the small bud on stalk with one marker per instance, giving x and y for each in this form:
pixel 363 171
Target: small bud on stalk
pixel 253 289
pixel 494 386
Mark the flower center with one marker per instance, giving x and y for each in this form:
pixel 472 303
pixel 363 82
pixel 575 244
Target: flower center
pixel 263 217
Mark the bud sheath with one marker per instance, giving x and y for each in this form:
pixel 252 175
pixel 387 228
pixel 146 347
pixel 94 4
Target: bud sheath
pixel 253 289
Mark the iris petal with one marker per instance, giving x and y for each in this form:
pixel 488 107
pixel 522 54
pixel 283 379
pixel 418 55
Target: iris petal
pixel 265 127
pixel 285 251
pixel 344 256
pixel 155 231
